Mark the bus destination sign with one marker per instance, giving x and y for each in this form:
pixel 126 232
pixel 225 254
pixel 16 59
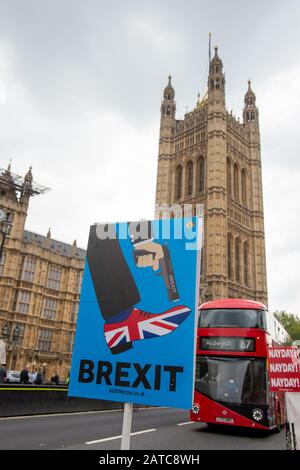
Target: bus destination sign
pixel 225 343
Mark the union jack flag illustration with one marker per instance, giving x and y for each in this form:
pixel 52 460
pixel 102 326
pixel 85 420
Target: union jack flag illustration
pixel 144 325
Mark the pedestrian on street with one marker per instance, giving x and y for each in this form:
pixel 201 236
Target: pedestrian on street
pixel 3 373
pixel 24 376
pixel 55 378
pixel 33 375
pixel 39 377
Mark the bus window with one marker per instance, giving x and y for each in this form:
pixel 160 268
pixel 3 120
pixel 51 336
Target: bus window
pixel 232 380
pixel 232 318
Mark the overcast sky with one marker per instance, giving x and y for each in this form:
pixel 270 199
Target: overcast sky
pixel 80 90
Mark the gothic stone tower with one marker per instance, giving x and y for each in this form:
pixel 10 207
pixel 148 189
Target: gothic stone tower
pixel 210 158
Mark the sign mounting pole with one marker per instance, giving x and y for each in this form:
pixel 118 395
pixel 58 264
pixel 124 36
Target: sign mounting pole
pixel 126 430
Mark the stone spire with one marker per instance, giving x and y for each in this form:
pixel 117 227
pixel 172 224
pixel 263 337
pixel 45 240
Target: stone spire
pixel 28 176
pixel 166 132
pixel 216 77
pixel 27 187
pixel 250 112
pixel 168 106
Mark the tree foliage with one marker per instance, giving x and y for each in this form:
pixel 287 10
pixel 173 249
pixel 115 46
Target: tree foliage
pixel 290 322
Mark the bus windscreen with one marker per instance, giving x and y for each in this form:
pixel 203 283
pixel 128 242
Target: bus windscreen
pixel 240 381
pixel 232 318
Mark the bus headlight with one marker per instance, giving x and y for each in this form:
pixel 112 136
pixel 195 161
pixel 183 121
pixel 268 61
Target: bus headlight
pixel 196 408
pixel 257 414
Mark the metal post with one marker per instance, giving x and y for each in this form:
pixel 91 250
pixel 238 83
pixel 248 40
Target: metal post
pixel 126 430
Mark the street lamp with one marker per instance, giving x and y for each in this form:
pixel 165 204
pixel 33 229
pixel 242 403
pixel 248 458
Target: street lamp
pixel 44 371
pixel 14 344
pixel 5 330
pixel 16 333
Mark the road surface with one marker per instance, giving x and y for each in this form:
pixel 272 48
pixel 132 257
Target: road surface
pixel 153 428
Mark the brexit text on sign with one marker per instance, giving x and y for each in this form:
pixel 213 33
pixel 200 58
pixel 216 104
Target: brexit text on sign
pixel 284 369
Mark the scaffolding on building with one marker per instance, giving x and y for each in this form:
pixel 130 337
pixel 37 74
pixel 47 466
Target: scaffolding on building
pixel 21 184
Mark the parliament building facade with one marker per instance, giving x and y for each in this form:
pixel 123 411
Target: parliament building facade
pixel 211 158
pixel 40 281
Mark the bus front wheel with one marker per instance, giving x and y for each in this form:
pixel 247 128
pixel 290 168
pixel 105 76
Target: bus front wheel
pixel 213 426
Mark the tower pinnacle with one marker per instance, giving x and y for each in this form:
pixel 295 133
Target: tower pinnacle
pixel 168 106
pixel 250 112
pixel 216 78
pixel 28 176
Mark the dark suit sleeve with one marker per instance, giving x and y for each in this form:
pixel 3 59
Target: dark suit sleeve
pixel 114 284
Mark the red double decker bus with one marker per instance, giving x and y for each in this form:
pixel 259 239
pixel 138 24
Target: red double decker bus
pixel 231 383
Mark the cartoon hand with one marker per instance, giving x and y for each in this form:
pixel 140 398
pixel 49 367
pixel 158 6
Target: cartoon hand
pixel 152 257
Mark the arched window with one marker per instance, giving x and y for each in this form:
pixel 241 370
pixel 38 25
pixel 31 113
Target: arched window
pixel 252 117
pixel 189 186
pixel 229 186
pixel 168 110
pixel 244 187
pixel 200 174
pixel 178 182
pixel 237 259
pixel 236 182
pixel 245 263
pixel 229 256
pixel 212 83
